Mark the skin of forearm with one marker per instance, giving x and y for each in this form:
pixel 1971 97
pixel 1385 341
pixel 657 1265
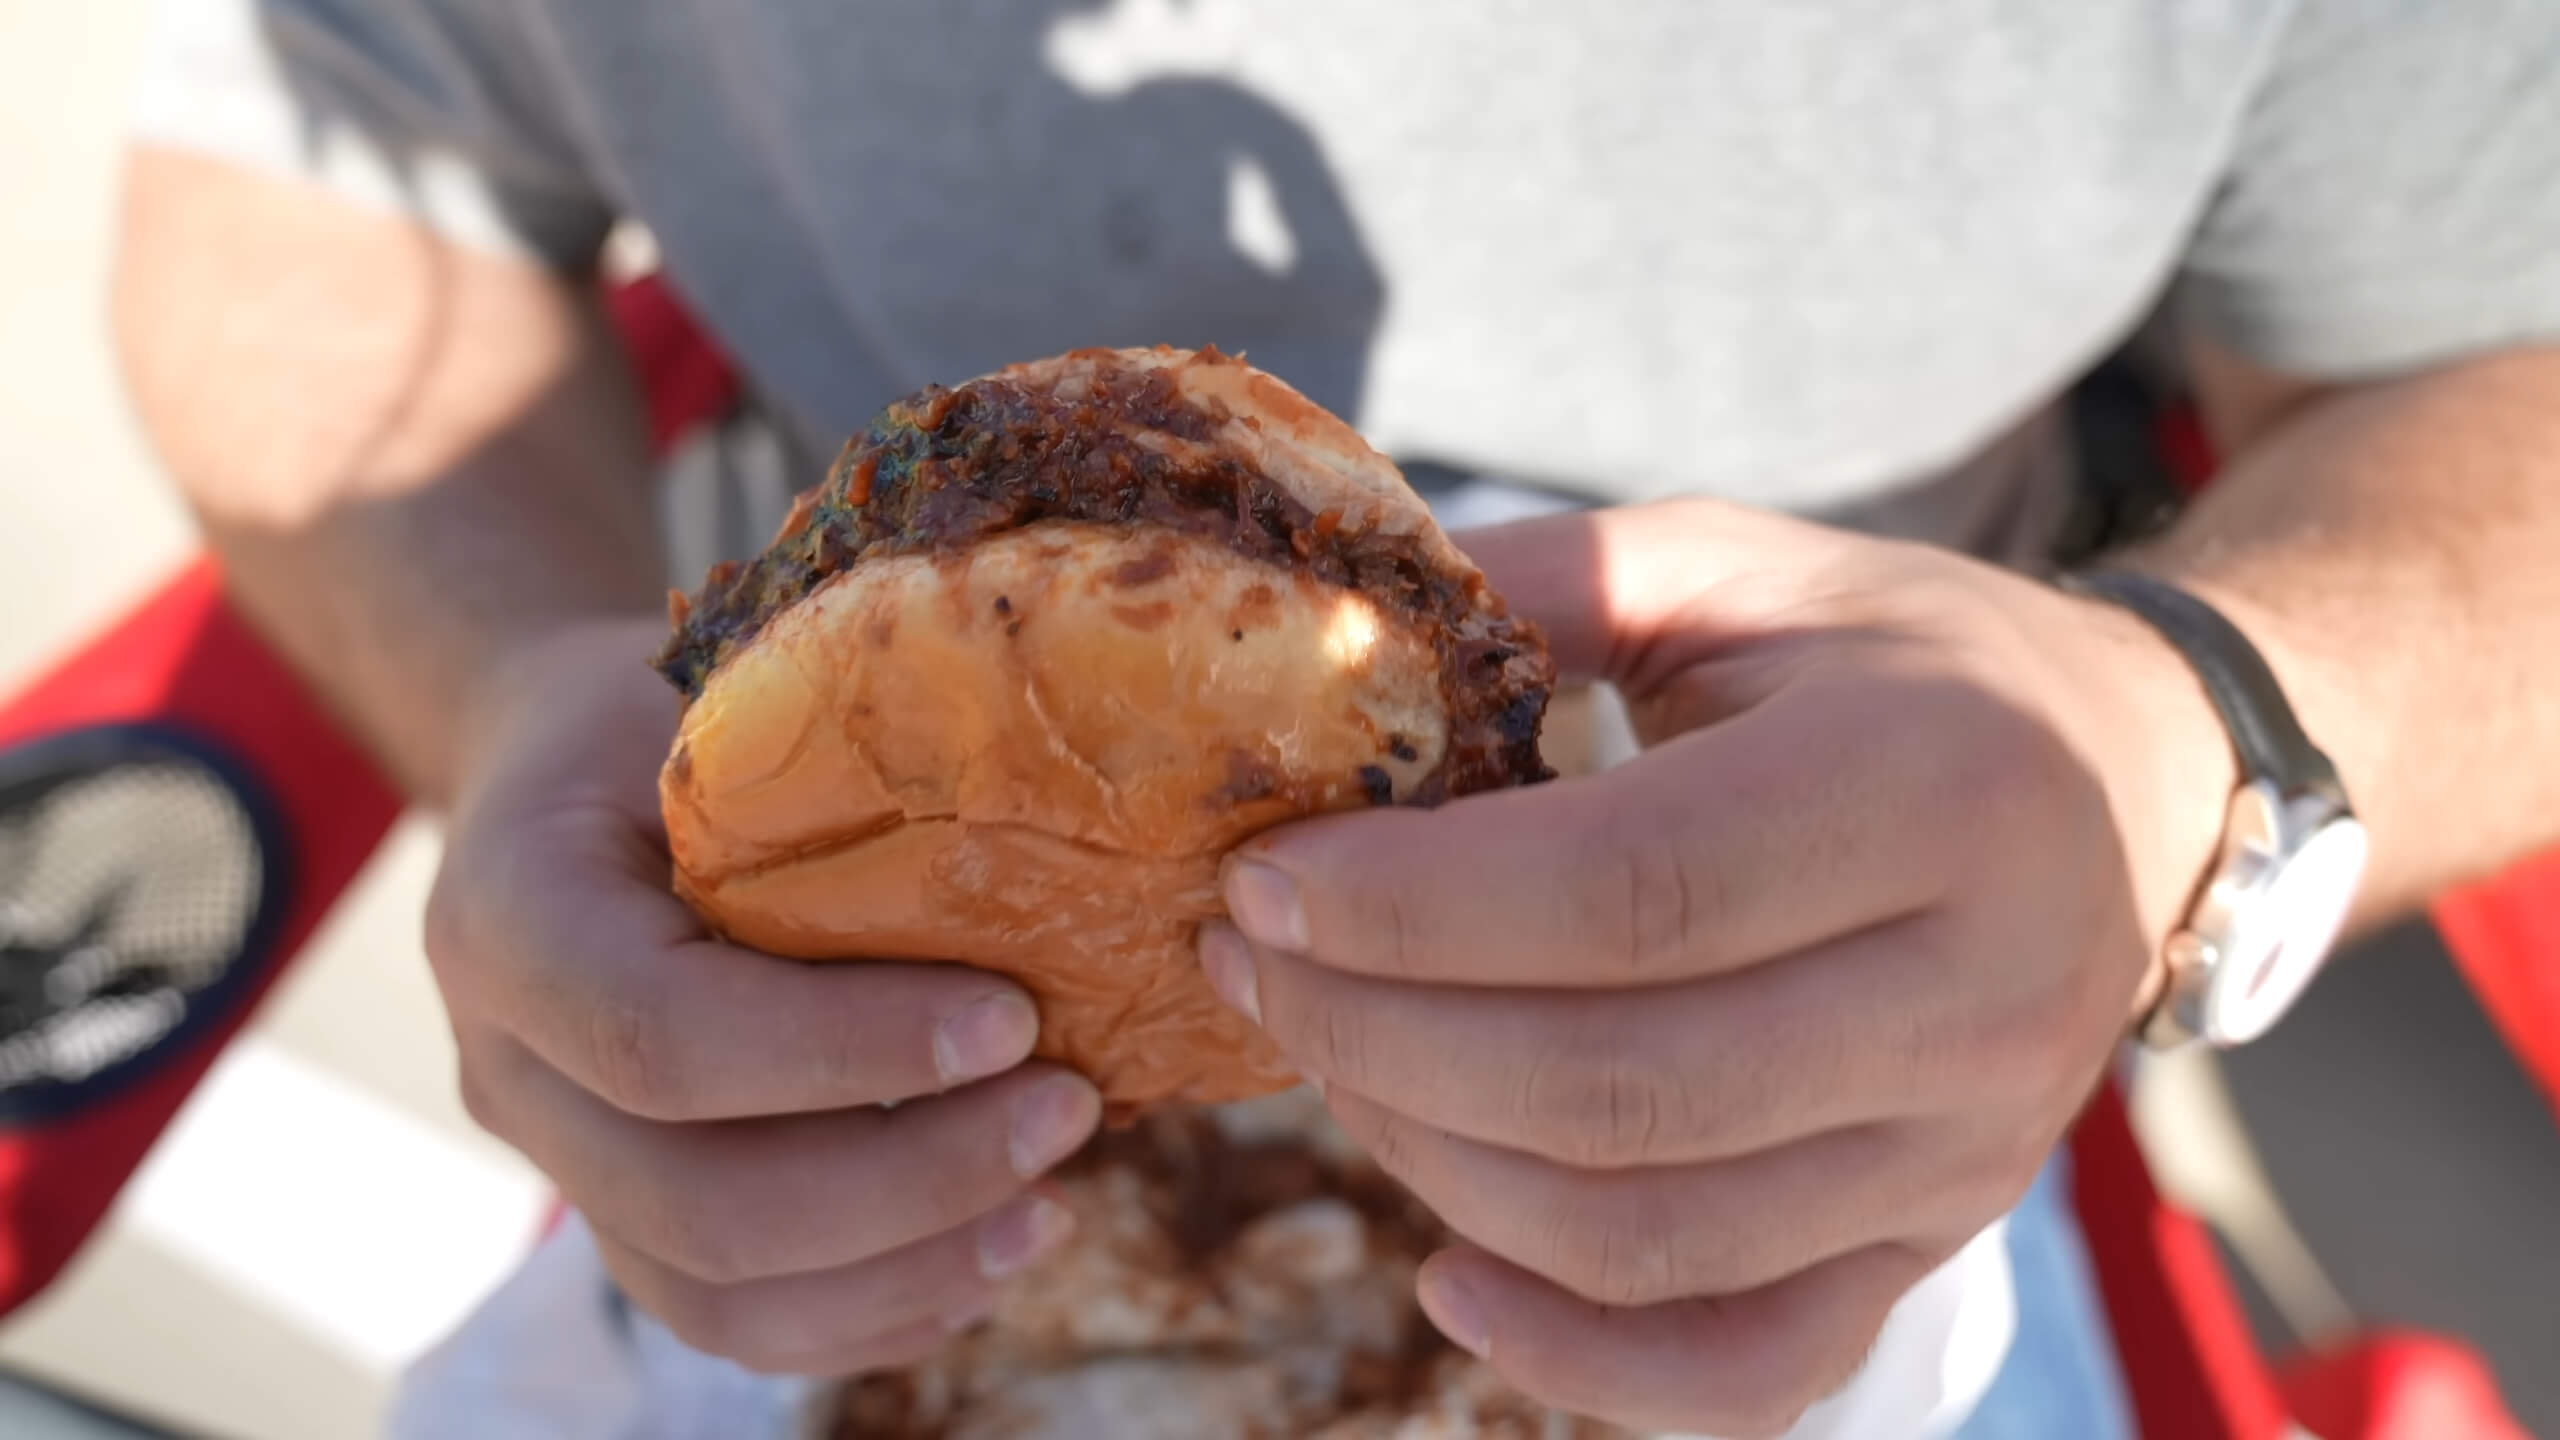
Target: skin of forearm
pixel 2394 548
pixel 408 457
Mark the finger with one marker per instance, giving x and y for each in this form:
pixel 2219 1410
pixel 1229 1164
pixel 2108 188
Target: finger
pixel 1741 1366
pixel 1800 820
pixel 567 937
pixel 1634 592
pixel 745 1199
pixel 1640 1237
pixel 898 1349
pixel 1866 1029
pixel 787 1322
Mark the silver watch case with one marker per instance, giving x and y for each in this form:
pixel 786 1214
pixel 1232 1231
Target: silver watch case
pixel 2266 918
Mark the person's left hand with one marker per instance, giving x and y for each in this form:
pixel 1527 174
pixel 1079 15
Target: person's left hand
pixel 1713 1055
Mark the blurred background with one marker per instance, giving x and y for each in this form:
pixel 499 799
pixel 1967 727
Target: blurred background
pixel 321 1210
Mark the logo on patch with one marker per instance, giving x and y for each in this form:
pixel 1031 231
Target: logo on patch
pixel 139 880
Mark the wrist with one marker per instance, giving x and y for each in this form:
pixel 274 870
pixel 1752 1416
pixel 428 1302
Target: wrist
pixel 2167 765
pixel 2293 852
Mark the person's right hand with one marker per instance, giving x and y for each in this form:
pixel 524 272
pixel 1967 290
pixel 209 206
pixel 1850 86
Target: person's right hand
pixel 717 1114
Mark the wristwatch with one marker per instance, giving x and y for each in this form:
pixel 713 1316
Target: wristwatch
pixel 2292 853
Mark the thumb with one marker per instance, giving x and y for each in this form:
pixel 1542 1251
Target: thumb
pixel 1631 594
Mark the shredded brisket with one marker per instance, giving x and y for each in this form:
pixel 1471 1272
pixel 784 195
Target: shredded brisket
pixel 945 468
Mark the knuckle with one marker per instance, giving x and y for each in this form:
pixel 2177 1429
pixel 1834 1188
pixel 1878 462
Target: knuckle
pixel 444 931
pixel 1651 1259
pixel 1613 1250
pixel 1653 905
pixel 440 928
pixel 1587 1102
pixel 1635 1266
pixel 1630 1110
pixel 477 1088
pixel 686 1227
pixel 1337 1038
pixel 630 1053
pixel 1566 1252
pixel 713 1318
pixel 706 1317
pixel 1391 1146
pixel 1393 921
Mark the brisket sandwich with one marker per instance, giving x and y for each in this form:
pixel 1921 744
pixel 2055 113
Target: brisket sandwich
pixel 1040 651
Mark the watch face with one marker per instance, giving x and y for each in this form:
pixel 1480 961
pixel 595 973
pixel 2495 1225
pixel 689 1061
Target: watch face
pixel 2284 930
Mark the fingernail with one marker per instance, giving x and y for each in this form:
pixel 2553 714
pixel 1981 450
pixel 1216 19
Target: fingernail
pixel 1050 1121
pixel 1454 1309
pixel 1017 1235
pixel 1228 962
pixel 1264 902
pixel 988 1037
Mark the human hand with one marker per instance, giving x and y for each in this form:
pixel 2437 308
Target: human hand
pixel 1712 1056
pixel 715 1113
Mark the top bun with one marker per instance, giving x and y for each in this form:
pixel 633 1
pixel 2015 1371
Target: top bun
pixel 1044 647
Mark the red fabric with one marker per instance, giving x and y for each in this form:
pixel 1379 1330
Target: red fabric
pixel 685 380
pixel 181 658
pixel 2184 448
pixel 2193 1367
pixel 2399 1385
pixel 2505 937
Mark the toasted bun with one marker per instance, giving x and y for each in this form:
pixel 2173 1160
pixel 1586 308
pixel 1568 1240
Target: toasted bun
pixel 1030 751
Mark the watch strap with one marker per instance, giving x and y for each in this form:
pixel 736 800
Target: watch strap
pixel 2244 691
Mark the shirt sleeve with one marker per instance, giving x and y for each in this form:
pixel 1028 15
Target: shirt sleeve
pixel 427 108
pixel 2393 198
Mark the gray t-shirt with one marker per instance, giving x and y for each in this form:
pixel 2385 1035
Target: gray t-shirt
pixel 1835 256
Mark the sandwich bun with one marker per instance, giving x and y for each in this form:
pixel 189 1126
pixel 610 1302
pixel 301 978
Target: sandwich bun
pixel 1044 649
